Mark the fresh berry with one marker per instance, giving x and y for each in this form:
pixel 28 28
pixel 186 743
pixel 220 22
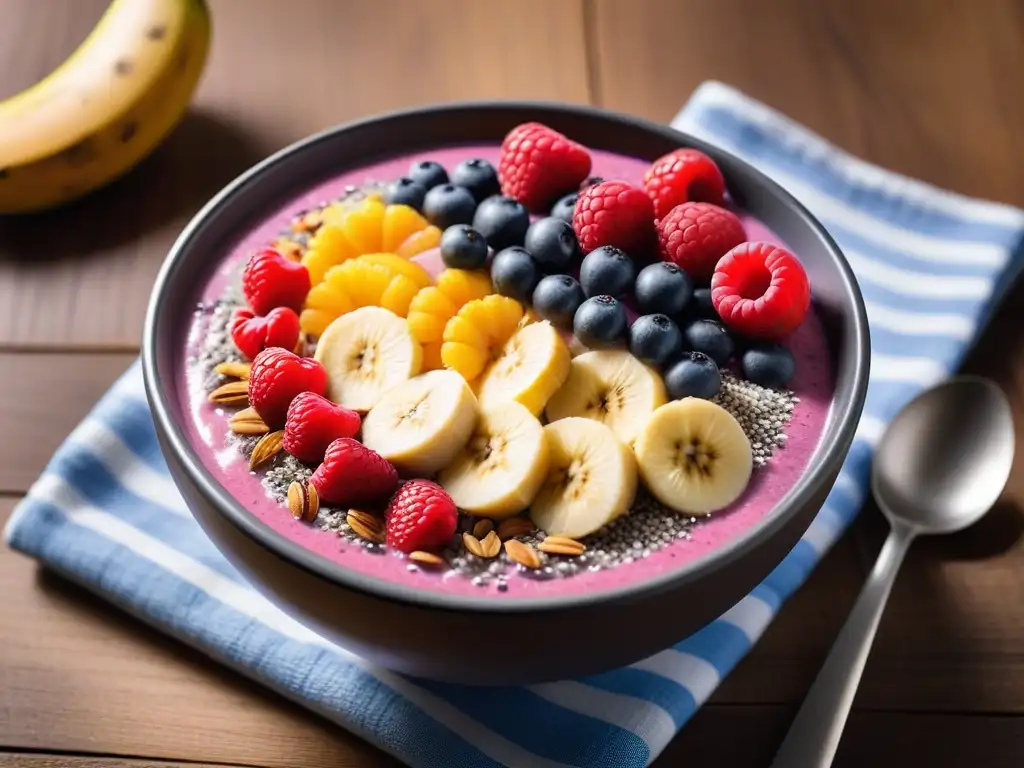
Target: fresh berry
pixel 711 338
pixel 552 243
pixel 565 207
pixel 770 365
pixel 607 270
pixel 406 191
pixel 761 291
pixel 421 516
pixel 683 176
pixel 462 247
pixel 655 339
pixel 447 205
pixel 538 164
pixel 313 423
pixel 693 375
pixel 600 322
pixel 614 213
pixel 269 280
pixel 700 306
pixel 556 299
pixel 276 377
pixel 351 473
pixel 251 334
pixel 663 288
pixel 515 273
pixel 590 181
pixel 428 173
pixel 694 236
pixel 478 176
pixel 502 220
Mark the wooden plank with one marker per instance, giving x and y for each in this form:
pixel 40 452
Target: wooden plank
pixel 81 276
pixel 39 760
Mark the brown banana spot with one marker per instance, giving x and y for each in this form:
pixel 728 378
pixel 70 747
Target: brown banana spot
pixel 128 131
pixel 123 67
pixel 156 32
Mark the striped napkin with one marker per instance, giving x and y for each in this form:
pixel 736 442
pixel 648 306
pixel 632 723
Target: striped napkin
pixel 105 513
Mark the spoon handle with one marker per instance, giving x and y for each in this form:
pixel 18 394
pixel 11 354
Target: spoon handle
pixel 815 733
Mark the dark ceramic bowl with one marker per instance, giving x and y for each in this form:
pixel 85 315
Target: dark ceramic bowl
pixel 412 630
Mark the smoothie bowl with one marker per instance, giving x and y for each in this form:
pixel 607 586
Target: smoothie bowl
pixel 507 381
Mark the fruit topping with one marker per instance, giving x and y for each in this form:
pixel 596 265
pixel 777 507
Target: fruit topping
pixel 694 236
pixel 269 281
pixel 502 220
pixel 515 274
pixel 607 270
pixel 709 337
pixel 529 368
pixel 421 516
pixel 313 423
pixel 769 364
pixel 591 480
pixel 475 335
pixel 614 213
pixel 663 288
pixel 600 322
pixel 365 353
pixel 612 387
pixel 447 205
pixel 428 173
pixel 502 466
pixel 276 377
pixel 433 307
pixel 537 164
pixel 406 191
pixel 700 306
pixel 419 242
pixel 252 334
pixel 693 375
pixel 682 176
pixel 400 222
pixel 351 473
pixel 761 291
pixel 556 299
pixel 420 424
pixel 565 207
pixel 655 339
pixel 552 243
pixel 693 456
pixel 478 176
pixel 462 247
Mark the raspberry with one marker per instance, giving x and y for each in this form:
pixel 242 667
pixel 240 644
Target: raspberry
pixel 694 236
pixel 538 164
pixel 313 423
pixel 253 334
pixel 420 516
pixel 682 176
pixel 269 280
pixel 760 290
pixel 351 473
pixel 614 213
pixel 276 377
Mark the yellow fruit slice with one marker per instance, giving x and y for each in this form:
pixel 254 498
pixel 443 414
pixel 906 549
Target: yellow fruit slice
pixel 464 359
pixel 463 286
pixel 364 225
pixel 329 247
pixel 397 264
pixel 425 327
pixel 315 321
pixel 400 223
pixel 462 330
pixel 364 283
pixel 483 326
pixel 432 301
pixel 398 295
pixel 530 368
pixel 420 241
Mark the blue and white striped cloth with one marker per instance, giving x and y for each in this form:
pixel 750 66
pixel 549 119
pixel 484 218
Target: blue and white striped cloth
pixel 106 514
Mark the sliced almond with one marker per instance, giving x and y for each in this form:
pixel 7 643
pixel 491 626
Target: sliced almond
pixel 303 501
pixel 308 222
pixel 234 369
pixel 490 544
pixel 288 248
pixel 561 545
pixel 232 393
pixel 511 527
pixel 247 422
pixel 266 449
pixel 427 558
pixel 522 553
pixel 365 525
pixel 472 544
pixel 482 528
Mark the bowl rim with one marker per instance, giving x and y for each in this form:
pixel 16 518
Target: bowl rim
pixel 844 414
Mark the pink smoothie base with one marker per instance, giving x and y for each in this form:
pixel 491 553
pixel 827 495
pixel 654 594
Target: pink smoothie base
pixel 207 429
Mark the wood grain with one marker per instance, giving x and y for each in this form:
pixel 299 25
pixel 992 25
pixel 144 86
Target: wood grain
pixel 38 760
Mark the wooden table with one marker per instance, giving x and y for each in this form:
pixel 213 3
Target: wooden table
pixel 927 87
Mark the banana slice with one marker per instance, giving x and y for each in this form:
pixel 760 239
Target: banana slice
pixel 694 456
pixel 421 424
pixel 531 367
pixel 610 386
pixel 367 352
pixel 503 464
pixel 591 479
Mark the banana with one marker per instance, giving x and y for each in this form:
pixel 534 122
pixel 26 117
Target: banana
pixel 367 352
pixel 421 424
pixel 693 456
pixel 612 387
pixel 503 464
pixel 591 479
pixel 530 368
pixel 106 107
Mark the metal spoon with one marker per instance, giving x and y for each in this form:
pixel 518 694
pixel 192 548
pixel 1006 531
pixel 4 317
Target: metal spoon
pixel 940 466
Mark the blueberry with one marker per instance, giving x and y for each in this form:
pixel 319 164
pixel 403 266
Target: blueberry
pixel 770 365
pixel 502 220
pixel 478 176
pixel 428 173
pixel 462 247
pixel 693 375
pixel 700 305
pixel 447 205
pixel 655 339
pixel 405 191
pixel 556 299
pixel 590 181
pixel 607 270
pixel 565 207
pixel 515 273
pixel 711 338
pixel 600 322
pixel 663 288
pixel 552 243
